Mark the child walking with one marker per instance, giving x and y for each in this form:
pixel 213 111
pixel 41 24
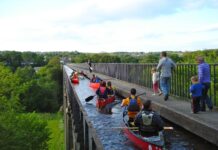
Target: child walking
pixel 196 93
pixel 155 81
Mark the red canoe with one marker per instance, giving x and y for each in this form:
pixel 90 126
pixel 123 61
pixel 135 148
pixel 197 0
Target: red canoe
pixel 75 80
pixel 101 103
pixel 144 143
pixel 94 85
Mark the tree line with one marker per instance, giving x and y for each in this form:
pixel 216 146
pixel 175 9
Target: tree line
pixel 141 57
pixel 24 93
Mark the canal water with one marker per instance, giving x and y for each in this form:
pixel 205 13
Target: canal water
pixel 108 126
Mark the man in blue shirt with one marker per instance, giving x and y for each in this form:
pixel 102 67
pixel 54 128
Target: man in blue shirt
pixel 204 78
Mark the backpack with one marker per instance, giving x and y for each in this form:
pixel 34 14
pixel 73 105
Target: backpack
pixel 133 105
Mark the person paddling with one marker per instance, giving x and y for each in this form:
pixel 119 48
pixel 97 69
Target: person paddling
pixel 148 121
pixel 110 89
pixel 102 91
pixel 93 80
pixel 133 104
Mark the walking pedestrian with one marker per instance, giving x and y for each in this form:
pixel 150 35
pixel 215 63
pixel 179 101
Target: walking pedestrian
pixel 165 65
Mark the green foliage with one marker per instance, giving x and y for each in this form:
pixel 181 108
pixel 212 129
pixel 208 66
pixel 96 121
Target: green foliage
pixel 50 82
pixel 56 126
pixel 23 132
pixel 150 58
pixel 12 59
pixel 128 59
pixel 26 73
pixel 15 59
pixel 21 90
pixel 9 86
pixel 80 58
pixel 211 56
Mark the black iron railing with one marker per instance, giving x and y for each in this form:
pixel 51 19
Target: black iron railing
pixel 141 74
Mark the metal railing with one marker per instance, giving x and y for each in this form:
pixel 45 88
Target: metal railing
pixel 141 74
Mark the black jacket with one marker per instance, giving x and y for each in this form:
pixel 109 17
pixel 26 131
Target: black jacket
pixel 149 122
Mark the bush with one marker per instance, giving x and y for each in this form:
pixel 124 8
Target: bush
pixel 23 132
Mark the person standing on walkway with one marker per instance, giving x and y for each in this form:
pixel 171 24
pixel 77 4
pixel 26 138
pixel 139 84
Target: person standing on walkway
pixel 155 81
pixel 90 66
pixel 166 65
pixel 204 78
pixel 196 93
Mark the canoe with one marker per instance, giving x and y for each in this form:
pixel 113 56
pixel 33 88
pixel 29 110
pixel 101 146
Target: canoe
pixel 94 85
pixel 75 80
pixel 144 143
pixel 101 103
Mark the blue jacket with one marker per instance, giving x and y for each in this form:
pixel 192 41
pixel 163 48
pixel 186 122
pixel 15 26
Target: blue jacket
pixel 196 89
pixel 204 73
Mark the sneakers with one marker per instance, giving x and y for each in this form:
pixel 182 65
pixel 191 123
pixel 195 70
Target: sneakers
pixel 166 97
pixel 160 93
pixel 153 94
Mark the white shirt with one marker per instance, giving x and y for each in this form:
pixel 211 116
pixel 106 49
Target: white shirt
pixel 155 77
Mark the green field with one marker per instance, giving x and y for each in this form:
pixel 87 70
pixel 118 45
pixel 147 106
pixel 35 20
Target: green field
pixel 56 127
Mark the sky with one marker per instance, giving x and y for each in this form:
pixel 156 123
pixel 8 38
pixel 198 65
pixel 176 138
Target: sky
pixel 108 25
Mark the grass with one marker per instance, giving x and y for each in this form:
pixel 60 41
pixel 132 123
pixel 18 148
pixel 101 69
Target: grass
pixel 56 127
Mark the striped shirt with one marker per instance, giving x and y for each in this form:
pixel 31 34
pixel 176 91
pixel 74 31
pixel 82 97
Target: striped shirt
pixel 204 72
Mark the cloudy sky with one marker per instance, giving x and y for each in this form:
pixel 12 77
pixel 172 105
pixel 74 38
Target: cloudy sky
pixel 108 25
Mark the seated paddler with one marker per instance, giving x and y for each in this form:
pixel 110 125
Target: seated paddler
pixel 74 75
pixel 133 105
pixel 93 80
pixel 102 91
pixel 110 89
pixel 148 121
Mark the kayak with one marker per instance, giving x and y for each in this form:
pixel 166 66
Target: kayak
pixel 94 85
pixel 144 143
pixel 101 103
pixel 75 80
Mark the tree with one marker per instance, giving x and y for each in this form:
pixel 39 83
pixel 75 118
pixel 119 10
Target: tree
pixel 128 59
pixel 12 59
pixel 23 132
pixel 25 74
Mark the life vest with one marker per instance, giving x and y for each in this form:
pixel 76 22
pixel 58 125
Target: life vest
pixel 110 90
pixel 133 105
pixel 102 92
pixel 147 118
pixel 93 80
pixel 146 122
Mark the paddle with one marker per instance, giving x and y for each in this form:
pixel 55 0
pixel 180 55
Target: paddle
pixel 89 98
pixel 141 94
pixel 136 128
